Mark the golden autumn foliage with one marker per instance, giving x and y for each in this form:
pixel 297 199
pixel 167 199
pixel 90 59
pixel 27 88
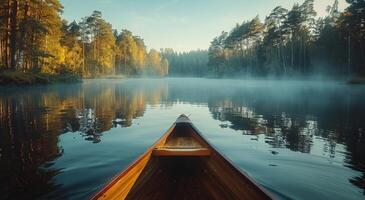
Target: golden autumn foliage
pixel 156 64
pixel 35 39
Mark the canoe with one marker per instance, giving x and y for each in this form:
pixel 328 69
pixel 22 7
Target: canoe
pixel 182 165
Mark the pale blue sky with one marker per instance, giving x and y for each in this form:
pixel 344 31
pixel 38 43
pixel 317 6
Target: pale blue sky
pixel 179 24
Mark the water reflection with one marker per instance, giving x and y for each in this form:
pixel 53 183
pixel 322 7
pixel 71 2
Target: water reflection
pixel 31 121
pixel 296 126
pixel 324 121
pixel 26 142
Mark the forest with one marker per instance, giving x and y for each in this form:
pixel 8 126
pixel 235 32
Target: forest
pixel 192 63
pixel 294 42
pixel 35 39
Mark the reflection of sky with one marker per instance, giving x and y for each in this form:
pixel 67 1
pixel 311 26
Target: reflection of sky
pixel 179 24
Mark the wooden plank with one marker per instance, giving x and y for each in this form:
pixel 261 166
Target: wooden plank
pixel 181 152
pixel 182 141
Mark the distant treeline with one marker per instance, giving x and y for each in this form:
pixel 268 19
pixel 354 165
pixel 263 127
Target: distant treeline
pixel 34 38
pixel 294 42
pixel 192 63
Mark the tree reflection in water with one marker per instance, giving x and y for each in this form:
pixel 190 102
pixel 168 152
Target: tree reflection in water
pixel 296 133
pixel 31 121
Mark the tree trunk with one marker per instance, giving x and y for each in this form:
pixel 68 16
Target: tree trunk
pixel 242 55
pixel 304 58
pixel 299 53
pixel 292 52
pixel 2 50
pixel 349 55
pixel 125 60
pixel 83 57
pixel 279 57
pixel 23 37
pixel 13 33
pixel 362 55
pixel 283 59
pixel 6 56
pixel 247 57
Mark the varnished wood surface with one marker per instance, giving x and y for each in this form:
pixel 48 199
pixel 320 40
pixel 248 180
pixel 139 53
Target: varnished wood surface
pixel 120 185
pixel 159 174
pixel 182 142
pixel 191 178
pixel 181 152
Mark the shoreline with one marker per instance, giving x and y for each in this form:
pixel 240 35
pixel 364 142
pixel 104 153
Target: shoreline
pixel 30 79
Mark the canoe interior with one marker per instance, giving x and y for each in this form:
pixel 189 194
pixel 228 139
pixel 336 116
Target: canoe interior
pixel 182 176
pixel 182 141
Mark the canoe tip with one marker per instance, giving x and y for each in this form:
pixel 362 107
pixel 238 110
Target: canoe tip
pixel 183 119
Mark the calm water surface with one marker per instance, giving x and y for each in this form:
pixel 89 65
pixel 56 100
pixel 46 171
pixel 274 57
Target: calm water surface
pixel 300 140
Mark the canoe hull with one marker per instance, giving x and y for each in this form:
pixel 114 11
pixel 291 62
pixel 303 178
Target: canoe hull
pixel 189 176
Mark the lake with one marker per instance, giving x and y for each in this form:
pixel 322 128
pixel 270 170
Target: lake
pixel 298 139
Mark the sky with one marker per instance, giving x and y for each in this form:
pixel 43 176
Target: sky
pixel 183 25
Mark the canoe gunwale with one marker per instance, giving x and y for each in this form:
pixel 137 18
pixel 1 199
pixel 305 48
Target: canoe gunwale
pixel 230 162
pixel 117 177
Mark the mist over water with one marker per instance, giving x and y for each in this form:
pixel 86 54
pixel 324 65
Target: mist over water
pixel 281 91
pixel 299 139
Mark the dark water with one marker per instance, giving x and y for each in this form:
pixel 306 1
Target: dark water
pixel 300 140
